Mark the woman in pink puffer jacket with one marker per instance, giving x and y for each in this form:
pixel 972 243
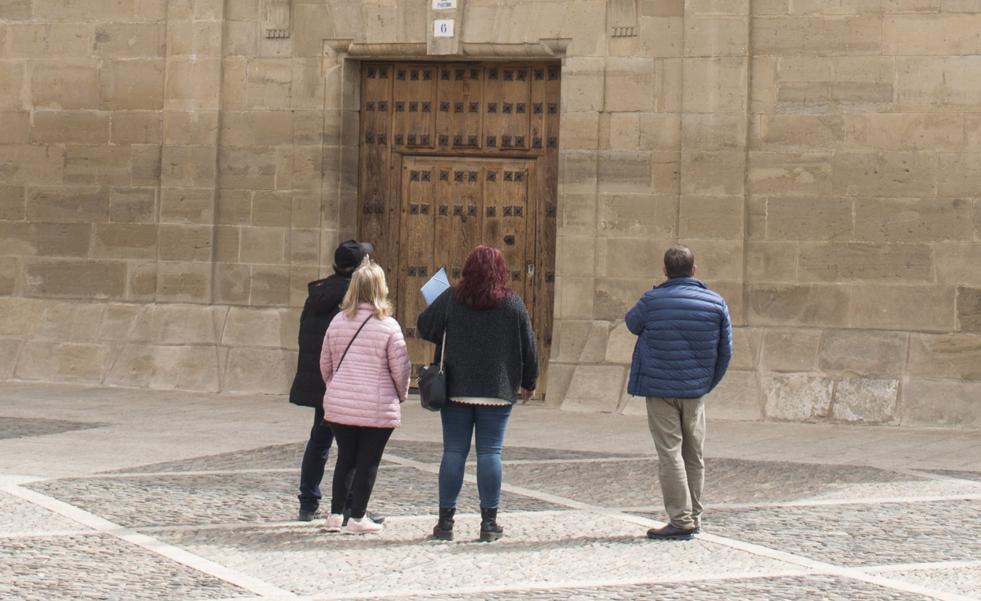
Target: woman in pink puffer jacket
pixel 365 365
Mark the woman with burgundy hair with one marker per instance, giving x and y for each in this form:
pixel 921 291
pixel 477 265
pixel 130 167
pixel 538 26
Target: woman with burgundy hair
pixel 491 361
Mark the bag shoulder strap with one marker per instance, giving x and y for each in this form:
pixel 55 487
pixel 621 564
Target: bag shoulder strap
pixel 352 342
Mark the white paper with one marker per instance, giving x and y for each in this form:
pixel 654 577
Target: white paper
pixel 443 4
pixel 443 28
pixel 435 286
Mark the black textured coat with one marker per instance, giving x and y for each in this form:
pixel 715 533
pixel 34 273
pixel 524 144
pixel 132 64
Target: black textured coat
pixel 490 353
pixel 323 303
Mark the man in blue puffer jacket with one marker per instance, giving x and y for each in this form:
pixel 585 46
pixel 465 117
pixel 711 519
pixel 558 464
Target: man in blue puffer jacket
pixel 683 349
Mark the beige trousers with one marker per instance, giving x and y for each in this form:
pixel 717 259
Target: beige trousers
pixel 678 428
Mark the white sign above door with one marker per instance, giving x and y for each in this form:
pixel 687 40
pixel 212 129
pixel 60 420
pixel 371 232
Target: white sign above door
pixel 443 4
pixel 443 28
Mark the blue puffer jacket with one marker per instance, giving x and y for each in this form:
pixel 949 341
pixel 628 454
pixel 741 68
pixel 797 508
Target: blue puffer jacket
pixel 685 340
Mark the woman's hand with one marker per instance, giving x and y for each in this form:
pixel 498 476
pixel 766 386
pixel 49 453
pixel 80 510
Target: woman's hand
pixel 525 394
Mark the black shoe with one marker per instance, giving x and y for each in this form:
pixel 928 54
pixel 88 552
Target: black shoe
pixel 307 515
pixel 443 530
pixel 378 519
pixel 670 532
pixel 490 530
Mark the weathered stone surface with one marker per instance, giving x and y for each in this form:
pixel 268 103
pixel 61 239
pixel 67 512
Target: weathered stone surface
pixel 925 308
pixel 904 220
pixel 74 279
pixel 179 324
pixel 969 309
pixel 259 370
pixel 63 362
pixel 595 388
pixel 863 352
pixel 790 350
pixel 940 403
pixel 168 367
pixel 9 348
pixel 68 205
pixel 844 262
pixel 256 327
pixel 945 356
pixel 816 305
pixel 739 397
pixel 865 400
pixel 797 397
pixel 791 173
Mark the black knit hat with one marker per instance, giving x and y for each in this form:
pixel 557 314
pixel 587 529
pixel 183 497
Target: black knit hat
pixel 350 254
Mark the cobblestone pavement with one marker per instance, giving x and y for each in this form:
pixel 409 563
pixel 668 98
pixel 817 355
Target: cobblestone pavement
pixel 219 525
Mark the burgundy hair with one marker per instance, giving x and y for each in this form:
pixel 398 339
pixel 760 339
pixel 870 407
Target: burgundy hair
pixel 485 278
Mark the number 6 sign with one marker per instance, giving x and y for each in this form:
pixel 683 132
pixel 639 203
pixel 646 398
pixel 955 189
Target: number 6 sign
pixel 443 28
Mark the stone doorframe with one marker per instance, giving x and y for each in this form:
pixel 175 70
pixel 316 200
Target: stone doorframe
pixel 342 81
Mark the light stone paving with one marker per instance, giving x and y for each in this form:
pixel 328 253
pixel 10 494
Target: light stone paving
pixel 218 526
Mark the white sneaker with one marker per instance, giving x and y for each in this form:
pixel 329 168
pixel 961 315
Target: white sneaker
pixel 334 522
pixel 363 526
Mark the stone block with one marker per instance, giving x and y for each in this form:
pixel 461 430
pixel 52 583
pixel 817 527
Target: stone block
pixel 68 205
pixel 629 84
pixel 61 239
pixel 135 127
pixel 715 85
pixel 578 130
pixel 141 281
pixel 864 353
pixel 15 10
pixel 270 286
pixel 630 257
pixel 715 260
pixel 48 40
pixel 269 83
pixel 190 127
pixel 234 207
pixel 925 131
pixel 716 36
pixel 117 321
pixel 132 205
pixel 620 171
pixel 192 83
pixel 130 40
pixel 865 400
pixel 304 248
pixel 255 370
pixel 669 76
pixel 99 165
pixel 790 350
pixel 613 297
pixel 559 376
pixel 226 244
pixel 63 362
pixel 620 345
pixel 804 97
pixel 713 172
pixel 969 309
pixel 957 263
pixel 13 205
pixel 9 276
pixel 936 35
pixel 581 341
pixel 842 262
pixel 74 279
pixel 185 242
pixel 659 131
pixel 132 84
pixel 962 6
pixel 937 83
pixel 713 131
pixel 801 131
pixel 870 96
pixel 22 164
pixel 263 245
pixel 187 205
pixel 184 282
pixel 797 305
pixel 83 10
pixel 633 215
pixel 257 327
pixel 256 128
pixel 15 127
pixel 806 69
pixel 70 322
pixel 12 73
pixel 928 308
pixel 70 127
pixel 945 356
pixel 179 324
pixel 797 397
pixel 232 283
pixel 188 166
pixel 125 241
pixel 623 131
pixel 583 84
pixel 595 389
pixel 771 261
pixel 147 164
pixel 818 36
pixel 961 174
pixel 573 297
pixel 65 84
pixel 9 349
pixel 193 368
pixel 791 174
pixel 934 403
pixel 808 219
pixel 247 168
pixel 711 217
pixel 737 397
pixel 662 8
pixel 913 220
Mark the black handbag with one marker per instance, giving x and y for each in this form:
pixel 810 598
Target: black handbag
pixel 432 382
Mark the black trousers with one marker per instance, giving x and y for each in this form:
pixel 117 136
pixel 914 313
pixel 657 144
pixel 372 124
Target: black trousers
pixel 359 452
pixel 314 461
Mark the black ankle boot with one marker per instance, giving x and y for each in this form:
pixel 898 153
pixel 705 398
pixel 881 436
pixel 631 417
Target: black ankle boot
pixel 490 530
pixel 444 527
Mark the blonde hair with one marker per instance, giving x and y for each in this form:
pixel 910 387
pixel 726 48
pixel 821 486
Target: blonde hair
pixel 367 286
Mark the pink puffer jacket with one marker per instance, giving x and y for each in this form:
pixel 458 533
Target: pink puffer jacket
pixel 374 377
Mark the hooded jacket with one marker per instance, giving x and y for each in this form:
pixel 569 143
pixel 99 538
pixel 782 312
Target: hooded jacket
pixel 684 340
pixel 323 302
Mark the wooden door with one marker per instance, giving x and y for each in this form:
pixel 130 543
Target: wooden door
pixel 454 155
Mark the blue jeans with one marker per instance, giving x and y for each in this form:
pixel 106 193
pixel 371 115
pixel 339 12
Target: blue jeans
pixel 314 461
pixel 459 421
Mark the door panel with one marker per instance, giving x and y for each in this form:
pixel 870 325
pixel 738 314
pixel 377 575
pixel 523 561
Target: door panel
pixel 455 155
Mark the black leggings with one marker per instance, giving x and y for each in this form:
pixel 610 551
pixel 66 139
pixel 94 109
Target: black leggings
pixel 359 451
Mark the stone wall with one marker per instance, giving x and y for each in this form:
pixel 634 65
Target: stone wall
pixel 172 173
